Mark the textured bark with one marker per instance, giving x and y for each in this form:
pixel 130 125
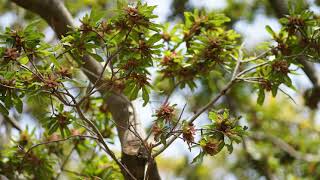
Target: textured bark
pixel 59 18
pixel 136 164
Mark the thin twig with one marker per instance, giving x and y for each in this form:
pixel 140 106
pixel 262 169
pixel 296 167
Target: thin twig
pixel 101 140
pixel 252 68
pixel 214 100
pixel 54 141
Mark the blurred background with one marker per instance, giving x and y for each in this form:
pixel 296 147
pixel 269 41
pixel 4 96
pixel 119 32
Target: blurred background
pixel 284 134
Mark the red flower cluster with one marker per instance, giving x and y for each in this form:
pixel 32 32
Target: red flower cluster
pixel 11 54
pixel 188 133
pixel 281 66
pixel 211 147
pixel 165 112
pixel 156 131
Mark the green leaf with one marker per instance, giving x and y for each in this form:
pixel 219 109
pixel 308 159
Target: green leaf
pixel 226 114
pixel 274 90
pixel 270 31
pixel 198 159
pixel 54 61
pixel 213 116
pixel 261 97
pixel 32 25
pixel 219 19
pixel 235 138
pixel 154 38
pixel 163 139
pixel 145 95
pixel 8 101
pixel 220 147
pixel 134 93
pixel 61 107
pixel 283 20
pixel 53 128
pixel 96 15
pixel 18 105
pixel 3 109
pixel 9 75
pixel 68 132
pixel 230 148
pixel 24 60
pixel 62 131
pixel 288 82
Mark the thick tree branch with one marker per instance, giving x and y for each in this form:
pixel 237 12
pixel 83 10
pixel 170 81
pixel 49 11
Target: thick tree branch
pixel 59 18
pixel 53 11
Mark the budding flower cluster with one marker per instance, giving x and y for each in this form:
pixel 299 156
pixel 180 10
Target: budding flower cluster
pixel 281 66
pixel 188 133
pixel 166 112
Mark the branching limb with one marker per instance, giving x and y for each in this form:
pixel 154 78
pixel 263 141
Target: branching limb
pixel 60 19
pixel 234 79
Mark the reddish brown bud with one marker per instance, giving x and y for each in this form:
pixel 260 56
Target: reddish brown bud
pixel 75 132
pixel 24 139
pixel 54 137
pixel 166 37
pixel 165 112
pixel 281 66
pixel 265 84
pixel 211 147
pixel 104 108
pixel 51 81
pixel 11 54
pixel 65 72
pixel 62 119
pixel 188 133
pixel 156 130
pixel 130 64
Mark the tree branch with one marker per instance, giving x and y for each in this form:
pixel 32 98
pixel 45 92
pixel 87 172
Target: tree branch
pixel 235 77
pixel 59 18
pixel 281 9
